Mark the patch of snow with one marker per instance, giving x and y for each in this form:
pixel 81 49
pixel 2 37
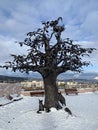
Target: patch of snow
pixel 14 97
pixel 4 100
pixel 53 109
pixel 22 115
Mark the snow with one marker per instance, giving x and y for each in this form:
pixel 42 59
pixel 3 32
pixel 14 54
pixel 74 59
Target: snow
pixel 4 100
pixel 14 97
pixel 21 115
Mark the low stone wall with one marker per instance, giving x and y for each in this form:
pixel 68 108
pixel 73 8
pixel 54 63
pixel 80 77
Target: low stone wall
pixel 25 93
pixel 33 93
pixel 9 88
pixel 12 88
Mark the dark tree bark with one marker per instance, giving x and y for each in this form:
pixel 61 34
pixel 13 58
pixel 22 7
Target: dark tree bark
pixel 51 91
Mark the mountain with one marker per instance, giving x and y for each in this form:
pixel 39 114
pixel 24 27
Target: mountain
pixel 11 79
pixel 83 80
pixel 79 77
pixel 85 76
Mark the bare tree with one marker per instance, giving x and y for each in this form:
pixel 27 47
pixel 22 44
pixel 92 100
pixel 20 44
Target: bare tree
pixel 50 55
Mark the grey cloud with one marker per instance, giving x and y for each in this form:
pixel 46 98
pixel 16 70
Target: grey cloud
pixel 90 25
pixel 25 15
pixel 19 17
pixel 8 46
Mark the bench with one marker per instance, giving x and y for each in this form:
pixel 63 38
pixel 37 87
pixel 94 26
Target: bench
pixel 71 91
pixel 37 93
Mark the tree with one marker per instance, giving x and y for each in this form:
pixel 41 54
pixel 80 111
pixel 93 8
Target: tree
pixel 50 55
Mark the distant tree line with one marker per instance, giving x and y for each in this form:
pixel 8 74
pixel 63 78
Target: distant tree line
pixel 11 79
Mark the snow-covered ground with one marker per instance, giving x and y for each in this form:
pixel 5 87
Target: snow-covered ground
pixel 21 115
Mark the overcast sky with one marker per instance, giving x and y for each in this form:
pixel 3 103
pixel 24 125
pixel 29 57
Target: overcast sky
pixel 17 17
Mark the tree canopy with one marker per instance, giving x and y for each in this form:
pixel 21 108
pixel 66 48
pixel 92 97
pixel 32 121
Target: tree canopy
pixel 48 50
pixel 50 54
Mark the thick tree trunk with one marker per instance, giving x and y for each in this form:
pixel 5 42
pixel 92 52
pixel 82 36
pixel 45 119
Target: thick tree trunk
pixel 51 92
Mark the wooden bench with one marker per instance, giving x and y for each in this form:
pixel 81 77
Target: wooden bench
pixel 71 91
pixel 37 93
